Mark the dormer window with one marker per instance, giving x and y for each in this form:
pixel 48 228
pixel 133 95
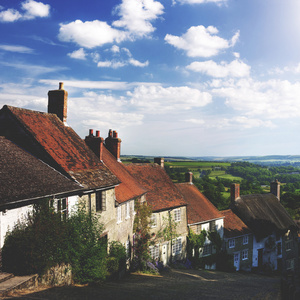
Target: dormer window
pixel 100 201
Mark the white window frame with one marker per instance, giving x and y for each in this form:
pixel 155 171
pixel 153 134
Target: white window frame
pixel 245 254
pixel 119 214
pixel 153 220
pixel 245 239
pixel 177 215
pixel 207 250
pixel 154 252
pixel 177 246
pixel 127 210
pixel 231 243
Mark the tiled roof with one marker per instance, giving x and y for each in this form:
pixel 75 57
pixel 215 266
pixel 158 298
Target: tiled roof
pixel 199 208
pixel 263 214
pixel 129 188
pixel 162 193
pixel 233 225
pixel 24 177
pixel 65 147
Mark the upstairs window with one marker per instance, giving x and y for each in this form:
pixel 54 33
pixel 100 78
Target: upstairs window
pixel 245 239
pixel 177 215
pixel 153 220
pixel 212 226
pixel 127 210
pixel 61 207
pixel 231 243
pixel 119 214
pixel 100 201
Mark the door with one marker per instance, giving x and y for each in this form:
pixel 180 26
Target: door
pixel 236 261
pixel 164 254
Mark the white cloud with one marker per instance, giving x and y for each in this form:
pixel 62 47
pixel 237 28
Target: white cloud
pixel 115 49
pixel 137 63
pixel 195 121
pixel 136 16
pixel 200 1
pixel 235 68
pixel 157 99
pixel 199 41
pixel 111 64
pixel 78 54
pixel 272 99
pixel 32 10
pixel 16 48
pixel 90 34
pixel 35 9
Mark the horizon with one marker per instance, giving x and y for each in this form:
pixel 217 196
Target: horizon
pixel 192 78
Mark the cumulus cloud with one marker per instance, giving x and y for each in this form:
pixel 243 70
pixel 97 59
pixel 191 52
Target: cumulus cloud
pixel 157 99
pixel 90 34
pixel 111 64
pixel 272 99
pixel 136 16
pixel 235 68
pixel 200 41
pixel 31 10
pixel 78 54
pixel 200 1
pixel 137 63
pixel 16 48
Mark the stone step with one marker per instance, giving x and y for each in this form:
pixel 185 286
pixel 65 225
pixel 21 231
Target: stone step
pixel 5 276
pixel 17 282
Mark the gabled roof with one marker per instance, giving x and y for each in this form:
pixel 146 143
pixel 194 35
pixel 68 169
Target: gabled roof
pixel 233 225
pixel 129 188
pixel 199 208
pixel 63 147
pixel 24 177
pixel 263 214
pixel 162 193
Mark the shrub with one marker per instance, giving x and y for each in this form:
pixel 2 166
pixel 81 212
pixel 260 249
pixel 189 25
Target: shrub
pixel 116 258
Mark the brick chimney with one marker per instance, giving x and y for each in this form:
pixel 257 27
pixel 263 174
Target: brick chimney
pixel 57 102
pixel 95 143
pixel 160 161
pixel 189 177
pixel 234 192
pixel 113 144
pixel 275 188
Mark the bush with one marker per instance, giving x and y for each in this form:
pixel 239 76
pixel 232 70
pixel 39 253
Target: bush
pixel 116 258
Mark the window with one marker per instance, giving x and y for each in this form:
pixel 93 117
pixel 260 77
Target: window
pixel 245 254
pixel 127 246
pixel 154 252
pixel 289 245
pixel 290 264
pixel 153 220
pixel 177 246
pixel 100 201
pixel 177 215
pixel 231 243
pixel 198 229
pixel 236 257
pixel 119 214
pixel 245 239
pixel 207 250
pixel 212 226
pixel 127 210
pixel 279 250
pixel 62 208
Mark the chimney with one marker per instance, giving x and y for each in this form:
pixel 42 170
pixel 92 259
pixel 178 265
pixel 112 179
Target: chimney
pixel 160 161
pixel 275 188
pixel 95 143
pixel 113 144
pixel 189 177
pixel 234 192
pixel 57 102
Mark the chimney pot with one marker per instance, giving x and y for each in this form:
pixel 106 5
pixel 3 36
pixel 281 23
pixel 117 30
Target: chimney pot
pixel 113 144
pixel 189 177
pixel 275 188
pixel 115 134
pixel 97 133
pixel 91 132
pixel 57 102
pixel 234 192
pixel 160 161
pixel 61 86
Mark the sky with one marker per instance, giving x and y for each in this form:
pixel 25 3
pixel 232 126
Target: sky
pixel 172 77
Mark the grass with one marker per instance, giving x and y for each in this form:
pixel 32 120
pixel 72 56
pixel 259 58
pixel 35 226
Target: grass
pixel 197 164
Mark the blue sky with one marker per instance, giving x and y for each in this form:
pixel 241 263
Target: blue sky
pixel 173 77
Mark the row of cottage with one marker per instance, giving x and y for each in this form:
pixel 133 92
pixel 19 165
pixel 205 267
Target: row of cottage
pixel 42 157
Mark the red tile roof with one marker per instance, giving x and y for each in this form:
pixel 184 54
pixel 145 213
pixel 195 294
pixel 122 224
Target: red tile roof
pixel 129 188
pixel 24 177
pixel 199 208
pixel 233 225
pixel 65 147
pixel 162 193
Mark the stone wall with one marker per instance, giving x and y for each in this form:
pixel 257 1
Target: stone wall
pixel 58 275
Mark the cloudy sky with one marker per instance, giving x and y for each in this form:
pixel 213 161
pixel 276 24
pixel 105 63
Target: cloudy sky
pixel 173 77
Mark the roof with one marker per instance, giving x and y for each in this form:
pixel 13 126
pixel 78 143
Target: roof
pixel 233 225
pixel 64 147
pixel 199 208
pixel 24 177
pixel 129 188
pixel 263 214
pixel 162 193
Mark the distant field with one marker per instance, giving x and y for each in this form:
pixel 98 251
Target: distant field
pixel 196 164
pixel 226 176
